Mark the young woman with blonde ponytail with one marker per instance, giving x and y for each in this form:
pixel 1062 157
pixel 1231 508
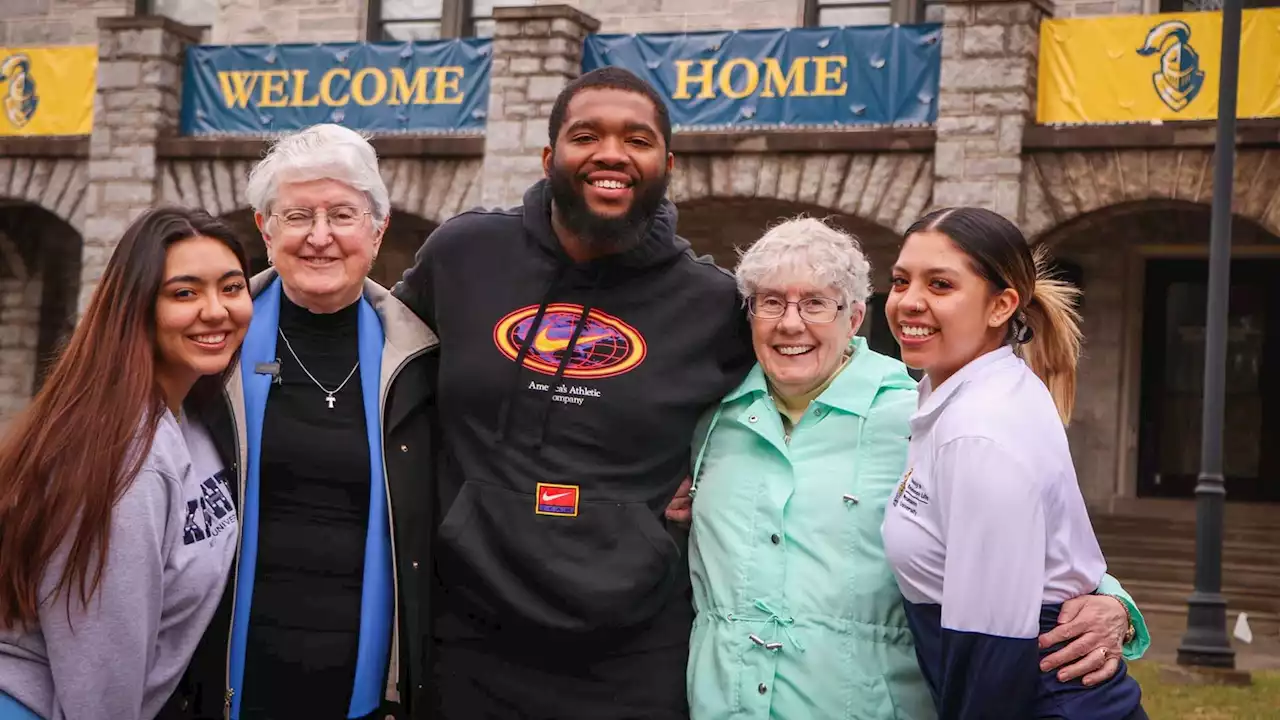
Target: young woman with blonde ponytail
pixel 987 531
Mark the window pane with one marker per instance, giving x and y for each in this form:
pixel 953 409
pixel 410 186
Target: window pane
pixel 411 31
pixel 188 12
pixel 851 14
pixel 411 10
pixel 484 8
pixel 482 28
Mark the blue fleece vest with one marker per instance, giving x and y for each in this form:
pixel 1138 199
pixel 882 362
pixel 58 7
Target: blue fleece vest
pixel 377 601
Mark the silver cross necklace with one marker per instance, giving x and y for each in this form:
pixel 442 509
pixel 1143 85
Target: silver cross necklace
pixel 329 394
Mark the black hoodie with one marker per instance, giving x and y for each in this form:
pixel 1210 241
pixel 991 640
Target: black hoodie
pixel 555 473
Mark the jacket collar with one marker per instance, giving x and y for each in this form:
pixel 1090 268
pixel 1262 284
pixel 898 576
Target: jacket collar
pixel 852 391
pixel 931 402
pixel 405 333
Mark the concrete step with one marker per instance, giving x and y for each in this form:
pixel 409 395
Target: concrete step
pixel 1263 579
pixel 1113 543
pixel 1163 594
pixel 1254 533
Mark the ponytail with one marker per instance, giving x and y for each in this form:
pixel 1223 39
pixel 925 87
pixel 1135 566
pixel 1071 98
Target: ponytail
pixel 1053 350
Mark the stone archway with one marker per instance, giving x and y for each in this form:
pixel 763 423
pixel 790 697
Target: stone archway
pixel 431 188
pixel 39 282
pixel 1062 186
pixel 1111 247
pixel 720 227
pixel 890 189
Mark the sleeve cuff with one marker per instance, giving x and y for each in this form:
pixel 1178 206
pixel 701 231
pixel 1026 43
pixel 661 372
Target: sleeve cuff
pixel 1137 647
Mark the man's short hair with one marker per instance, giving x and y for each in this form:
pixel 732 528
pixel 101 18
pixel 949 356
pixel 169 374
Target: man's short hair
pixel 609 78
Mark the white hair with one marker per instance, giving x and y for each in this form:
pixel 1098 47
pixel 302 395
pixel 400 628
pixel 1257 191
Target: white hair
pixel 320 152
pixel 808 250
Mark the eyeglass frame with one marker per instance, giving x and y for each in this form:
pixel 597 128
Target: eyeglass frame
pixel 750 302
pixel 315 214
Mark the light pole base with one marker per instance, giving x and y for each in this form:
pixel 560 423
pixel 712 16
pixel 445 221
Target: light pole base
pixel 1205 642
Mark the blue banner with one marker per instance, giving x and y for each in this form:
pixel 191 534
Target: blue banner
pixel 804 77
pixel 418 87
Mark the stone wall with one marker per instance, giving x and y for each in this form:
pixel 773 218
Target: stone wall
pixel 536 51
pixel 1090 8
pixel 19 336
pixel 56 22
pixel 638 16
pixel 294 21
pixel 137 102
pixel 987 96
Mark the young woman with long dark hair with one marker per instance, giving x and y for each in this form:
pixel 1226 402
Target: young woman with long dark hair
pixel 987 531
pixel 117 529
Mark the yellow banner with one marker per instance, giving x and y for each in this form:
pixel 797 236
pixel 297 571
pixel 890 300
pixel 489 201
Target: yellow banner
pixel 1139 68
pixel 47 90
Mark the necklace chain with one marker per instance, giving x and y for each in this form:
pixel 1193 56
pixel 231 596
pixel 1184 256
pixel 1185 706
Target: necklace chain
pixel 329 394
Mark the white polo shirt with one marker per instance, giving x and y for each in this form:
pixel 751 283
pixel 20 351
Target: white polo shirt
pixel 986 527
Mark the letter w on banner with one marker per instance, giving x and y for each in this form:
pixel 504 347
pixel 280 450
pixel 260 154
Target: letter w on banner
pixel 419 87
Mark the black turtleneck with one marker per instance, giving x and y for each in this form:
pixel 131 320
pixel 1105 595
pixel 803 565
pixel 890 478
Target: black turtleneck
pixel 304 627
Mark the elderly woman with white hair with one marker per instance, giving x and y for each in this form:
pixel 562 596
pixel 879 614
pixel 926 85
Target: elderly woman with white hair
pixel 331 419
pixel 798 614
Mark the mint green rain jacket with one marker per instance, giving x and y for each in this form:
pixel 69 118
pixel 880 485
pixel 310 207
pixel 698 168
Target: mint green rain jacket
pixel 798 614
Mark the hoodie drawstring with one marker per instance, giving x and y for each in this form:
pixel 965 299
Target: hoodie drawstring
pixel 564 362
pixel 504 411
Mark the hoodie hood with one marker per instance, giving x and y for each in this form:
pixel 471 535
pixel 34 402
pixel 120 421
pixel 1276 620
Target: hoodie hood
pixel 657 246
pixel 572 390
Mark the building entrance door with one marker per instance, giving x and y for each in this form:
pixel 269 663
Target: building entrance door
pixel 1173 380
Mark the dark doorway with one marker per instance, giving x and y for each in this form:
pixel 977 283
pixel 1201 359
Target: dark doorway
pixel 1173 380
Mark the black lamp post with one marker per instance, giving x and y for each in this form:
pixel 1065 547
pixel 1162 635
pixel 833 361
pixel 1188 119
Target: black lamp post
pixel 1206 642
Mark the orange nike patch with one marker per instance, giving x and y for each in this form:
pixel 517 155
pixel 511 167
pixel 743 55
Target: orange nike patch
pixel 556 500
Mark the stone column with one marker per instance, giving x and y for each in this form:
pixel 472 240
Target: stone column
pixel 990 51
pixel 536 52
pixel 137 102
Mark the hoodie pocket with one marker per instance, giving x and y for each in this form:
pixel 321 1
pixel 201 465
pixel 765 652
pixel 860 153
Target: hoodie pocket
pixel 611 566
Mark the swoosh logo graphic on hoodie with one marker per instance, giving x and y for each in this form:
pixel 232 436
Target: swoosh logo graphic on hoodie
pixel 607 346
pixel 543 342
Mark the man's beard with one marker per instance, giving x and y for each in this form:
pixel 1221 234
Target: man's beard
pixel 606 234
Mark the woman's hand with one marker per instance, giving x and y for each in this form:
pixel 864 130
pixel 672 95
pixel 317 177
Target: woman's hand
pixel 680 509
pixel 1095 625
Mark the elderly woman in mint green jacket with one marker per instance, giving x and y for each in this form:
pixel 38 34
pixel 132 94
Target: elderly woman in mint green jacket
pixel 798 613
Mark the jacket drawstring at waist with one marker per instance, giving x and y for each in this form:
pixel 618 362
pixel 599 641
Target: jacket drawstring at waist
pixel 780 624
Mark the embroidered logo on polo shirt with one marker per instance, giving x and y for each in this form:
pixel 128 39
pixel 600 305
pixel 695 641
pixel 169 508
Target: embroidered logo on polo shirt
pixel 556 500
pixel 901 487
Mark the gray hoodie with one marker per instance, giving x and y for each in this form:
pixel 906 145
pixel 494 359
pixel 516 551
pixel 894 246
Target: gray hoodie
pixel 173 538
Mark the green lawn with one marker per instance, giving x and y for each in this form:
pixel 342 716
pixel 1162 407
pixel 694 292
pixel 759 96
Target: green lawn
pixel 1163 701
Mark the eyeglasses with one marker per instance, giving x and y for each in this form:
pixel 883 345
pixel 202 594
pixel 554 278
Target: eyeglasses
pixel 301 220
pixel 814 309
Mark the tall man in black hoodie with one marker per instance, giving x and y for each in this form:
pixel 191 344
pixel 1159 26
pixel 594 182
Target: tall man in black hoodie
pixel 580 341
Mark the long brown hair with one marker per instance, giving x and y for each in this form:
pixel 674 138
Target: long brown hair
pixel 66 460
pixel 1045 330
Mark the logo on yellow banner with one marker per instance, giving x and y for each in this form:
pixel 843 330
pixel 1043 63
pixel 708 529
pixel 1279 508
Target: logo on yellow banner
pixel 18 88
pixel 1144 68
pixel 1180 78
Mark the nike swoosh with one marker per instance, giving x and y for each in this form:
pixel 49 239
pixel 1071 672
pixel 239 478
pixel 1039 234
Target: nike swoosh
pixel 551 498
pixel 545 344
